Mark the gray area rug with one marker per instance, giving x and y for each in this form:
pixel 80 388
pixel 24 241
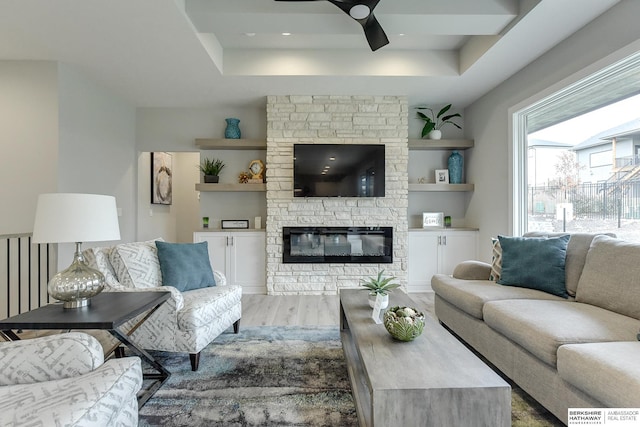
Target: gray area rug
pixel 263 376
pixel 275 376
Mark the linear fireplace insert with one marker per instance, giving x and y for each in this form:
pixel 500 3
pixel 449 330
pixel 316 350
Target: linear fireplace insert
pixel 367 245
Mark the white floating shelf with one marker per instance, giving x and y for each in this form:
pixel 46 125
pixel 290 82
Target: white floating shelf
pixel 231 187
pixel 441 187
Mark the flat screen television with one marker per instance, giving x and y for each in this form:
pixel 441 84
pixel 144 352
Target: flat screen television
pixel 338 170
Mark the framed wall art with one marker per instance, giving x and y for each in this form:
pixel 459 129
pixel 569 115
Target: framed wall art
pixel 161 178
pixel 442 176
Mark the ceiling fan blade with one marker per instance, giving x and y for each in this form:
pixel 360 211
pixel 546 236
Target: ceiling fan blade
pixel 374 33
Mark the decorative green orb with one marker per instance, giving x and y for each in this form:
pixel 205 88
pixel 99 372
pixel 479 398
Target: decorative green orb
pixel 404 323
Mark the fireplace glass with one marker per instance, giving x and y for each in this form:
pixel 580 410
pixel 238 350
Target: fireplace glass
pixel 338 245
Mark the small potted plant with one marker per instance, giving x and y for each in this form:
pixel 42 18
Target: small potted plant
pixel 211 169
pixel 380 286
pixel 434 122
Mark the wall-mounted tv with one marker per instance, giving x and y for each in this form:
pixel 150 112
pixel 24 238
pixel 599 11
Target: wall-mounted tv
pixel 338 170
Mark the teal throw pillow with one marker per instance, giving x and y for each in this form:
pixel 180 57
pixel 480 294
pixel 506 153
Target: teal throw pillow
pixel 535 263
pixel 185 266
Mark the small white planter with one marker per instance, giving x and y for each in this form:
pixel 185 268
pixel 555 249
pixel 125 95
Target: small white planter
pixel 435 134
pixel 385 301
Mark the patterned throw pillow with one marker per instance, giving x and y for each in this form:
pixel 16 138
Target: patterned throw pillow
pixel 136 264
pixel 496 260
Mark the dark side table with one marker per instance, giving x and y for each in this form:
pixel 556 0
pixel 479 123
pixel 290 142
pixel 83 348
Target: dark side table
pixel 108 311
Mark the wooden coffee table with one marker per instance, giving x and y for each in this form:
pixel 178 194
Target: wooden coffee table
pixel 431 381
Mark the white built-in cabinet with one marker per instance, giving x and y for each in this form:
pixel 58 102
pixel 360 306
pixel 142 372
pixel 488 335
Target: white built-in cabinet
pixel 240 255
pixel 437 251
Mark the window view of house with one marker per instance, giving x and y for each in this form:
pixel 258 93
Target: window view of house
pixel 584 173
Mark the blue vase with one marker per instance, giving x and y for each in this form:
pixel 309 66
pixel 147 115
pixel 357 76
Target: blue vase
pixel 455 165
pixel 233 130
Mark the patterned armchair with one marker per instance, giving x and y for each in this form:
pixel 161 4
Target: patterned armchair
pixel 61 380
pixel 189 320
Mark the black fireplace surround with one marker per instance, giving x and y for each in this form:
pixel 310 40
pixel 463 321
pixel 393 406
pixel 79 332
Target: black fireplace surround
pixel 365 245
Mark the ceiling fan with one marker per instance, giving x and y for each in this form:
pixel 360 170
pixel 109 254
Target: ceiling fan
pixel 362 11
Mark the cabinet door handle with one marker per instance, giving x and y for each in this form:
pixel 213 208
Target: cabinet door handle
pixel 227 240
pixel 439 240
pixel 444 240
pixel 231 240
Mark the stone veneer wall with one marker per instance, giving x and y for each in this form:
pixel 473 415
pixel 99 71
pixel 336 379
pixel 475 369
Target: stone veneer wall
pixel 334 120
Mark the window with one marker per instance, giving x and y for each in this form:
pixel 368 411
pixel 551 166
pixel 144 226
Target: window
pixel 576 159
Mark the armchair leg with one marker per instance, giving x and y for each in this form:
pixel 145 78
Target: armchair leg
pixel 236 326
pixel 195 360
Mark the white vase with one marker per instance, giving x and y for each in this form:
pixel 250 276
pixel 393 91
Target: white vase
pixel 385 301
pixel 435 134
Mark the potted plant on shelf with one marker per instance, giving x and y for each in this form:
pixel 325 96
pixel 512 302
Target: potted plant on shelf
pixel 434 122
pixel 380 286
pixel 211 169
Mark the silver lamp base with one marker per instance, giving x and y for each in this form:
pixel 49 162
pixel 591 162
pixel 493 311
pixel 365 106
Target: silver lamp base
pixel 76 284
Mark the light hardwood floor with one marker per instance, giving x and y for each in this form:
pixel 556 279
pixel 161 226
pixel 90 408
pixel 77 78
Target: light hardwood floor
pixel 305 310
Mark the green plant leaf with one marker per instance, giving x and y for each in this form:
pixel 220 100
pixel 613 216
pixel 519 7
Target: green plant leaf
pixel 428 127
pixel 451 116
pixel 444 110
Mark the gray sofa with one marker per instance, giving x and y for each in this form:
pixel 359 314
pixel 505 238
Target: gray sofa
pixel 575 352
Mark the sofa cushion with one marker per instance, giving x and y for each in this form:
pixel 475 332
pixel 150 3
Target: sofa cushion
pixel 471 295
pixel 609 372
pixel 136 264
pixel 536 263
pixel 204 306
pixel 577 249
pixel 611 276
pixel 185 266
pixel 542 326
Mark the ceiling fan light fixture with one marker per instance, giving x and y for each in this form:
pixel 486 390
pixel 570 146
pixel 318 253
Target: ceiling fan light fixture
pixel 359 11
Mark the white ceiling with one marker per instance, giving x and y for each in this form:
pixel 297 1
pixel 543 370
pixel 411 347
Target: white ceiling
pixel 196 53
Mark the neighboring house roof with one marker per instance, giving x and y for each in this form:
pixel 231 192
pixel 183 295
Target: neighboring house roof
pixel 604 138
pixel 542 143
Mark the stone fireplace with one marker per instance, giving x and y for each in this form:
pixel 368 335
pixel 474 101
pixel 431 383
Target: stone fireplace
pixel 334 120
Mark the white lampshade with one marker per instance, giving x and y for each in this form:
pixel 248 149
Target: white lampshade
pixel 67 217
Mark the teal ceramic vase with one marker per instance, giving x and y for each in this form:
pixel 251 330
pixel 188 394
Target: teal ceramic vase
pixel 233 130
pixel 455 166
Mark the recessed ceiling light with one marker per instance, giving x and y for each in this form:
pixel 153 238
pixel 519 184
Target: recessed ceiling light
pixel 286 34
pixel 250 34
pixel 332 158
pixel 359 11
pixel 401 34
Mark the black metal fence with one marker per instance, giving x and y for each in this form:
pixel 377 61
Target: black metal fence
pixel 25 270
pixel 604 200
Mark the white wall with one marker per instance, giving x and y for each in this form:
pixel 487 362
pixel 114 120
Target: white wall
pixel 61 132
pixel 487 120
pixel 28 140
pixel 97 144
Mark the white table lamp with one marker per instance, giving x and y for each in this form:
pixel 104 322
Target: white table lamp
pixel 76 218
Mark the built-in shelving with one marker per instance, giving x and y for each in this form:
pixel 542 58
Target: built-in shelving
pixel 231 144
pixel 231 187
pixel 440 144
pixel 440 187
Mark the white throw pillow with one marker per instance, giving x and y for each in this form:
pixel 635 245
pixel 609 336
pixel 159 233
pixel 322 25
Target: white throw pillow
pixel 136 264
